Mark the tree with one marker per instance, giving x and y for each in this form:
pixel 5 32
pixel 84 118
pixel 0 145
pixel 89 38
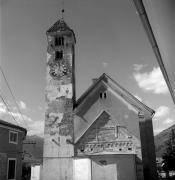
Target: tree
pixel 169 155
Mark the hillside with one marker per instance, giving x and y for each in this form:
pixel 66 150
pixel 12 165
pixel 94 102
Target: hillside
pixel 33 147
pixel 160 140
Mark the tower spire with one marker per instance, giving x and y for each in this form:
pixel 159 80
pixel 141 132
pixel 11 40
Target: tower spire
pixel 62 10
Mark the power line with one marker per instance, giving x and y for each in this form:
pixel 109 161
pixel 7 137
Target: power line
pixel 13 96
pixel 7 106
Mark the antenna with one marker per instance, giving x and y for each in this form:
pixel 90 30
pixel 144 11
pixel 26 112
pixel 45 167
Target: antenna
pixel 62 10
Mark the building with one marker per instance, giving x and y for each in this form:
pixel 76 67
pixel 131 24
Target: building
pixel 11 152
pixel 106 134
pixel 32 161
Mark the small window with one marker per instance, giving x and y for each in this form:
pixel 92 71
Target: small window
pixel 11 169
pixel 58 55
pixel 59 41
pixel 103 95
pixel 13 137
pixel 56 41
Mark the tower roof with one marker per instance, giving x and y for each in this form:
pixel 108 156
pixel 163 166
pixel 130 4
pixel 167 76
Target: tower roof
pixel 60 26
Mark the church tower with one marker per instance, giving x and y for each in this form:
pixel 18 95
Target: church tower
pixel 60 96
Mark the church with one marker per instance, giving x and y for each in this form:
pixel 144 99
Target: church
pixel 106 134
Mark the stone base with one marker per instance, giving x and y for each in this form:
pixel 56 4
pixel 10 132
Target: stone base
pixel 57 169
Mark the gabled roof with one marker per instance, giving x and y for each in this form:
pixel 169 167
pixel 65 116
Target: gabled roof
pixel 60 26
pixel 7 124
pixel 109 82
pixel 89 97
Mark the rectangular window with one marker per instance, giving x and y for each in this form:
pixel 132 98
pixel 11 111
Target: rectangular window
pixel 11 169
pixel 58 55
pixel 56 41
pixel 13 137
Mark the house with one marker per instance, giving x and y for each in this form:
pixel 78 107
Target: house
pixel 106 134
pixel 113 134
pixel 11 152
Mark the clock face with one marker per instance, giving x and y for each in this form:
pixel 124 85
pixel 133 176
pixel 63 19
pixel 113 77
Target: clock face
pixel 59 69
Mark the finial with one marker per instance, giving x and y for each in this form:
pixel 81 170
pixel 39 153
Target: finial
pixel 62 10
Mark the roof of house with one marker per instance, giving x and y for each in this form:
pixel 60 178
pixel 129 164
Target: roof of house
pixel 12 126
pixel 108 81
pixel 89 97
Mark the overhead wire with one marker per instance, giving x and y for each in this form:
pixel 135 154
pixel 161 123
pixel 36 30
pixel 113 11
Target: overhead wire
pixel 14 99
pixel 7 106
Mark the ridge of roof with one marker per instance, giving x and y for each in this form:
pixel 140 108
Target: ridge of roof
pixel 81 98
pixel 131 97
pixel 12 125
pixel 59 25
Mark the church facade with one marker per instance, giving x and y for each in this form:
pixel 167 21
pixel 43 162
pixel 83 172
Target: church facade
pixel 106 134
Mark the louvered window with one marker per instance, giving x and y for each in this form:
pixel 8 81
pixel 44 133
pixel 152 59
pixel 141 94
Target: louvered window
pixel 59 41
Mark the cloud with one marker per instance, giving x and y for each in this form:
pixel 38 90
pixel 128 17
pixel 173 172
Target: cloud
pixel 138 67
pixel 168 121
pixel 3 109
pixel 162 111
pixel 158 130
pixel 163 119
pixel 32 126
pixel 36 127
pixel 151 81
pixel 21 117
pixel 104 64
pixel 22 105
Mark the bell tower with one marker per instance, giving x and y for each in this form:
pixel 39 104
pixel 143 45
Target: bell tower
pixel 59 97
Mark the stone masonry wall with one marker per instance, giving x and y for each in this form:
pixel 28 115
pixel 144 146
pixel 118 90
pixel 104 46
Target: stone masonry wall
pixel 59 103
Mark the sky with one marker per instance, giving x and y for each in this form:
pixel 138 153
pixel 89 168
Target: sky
pixel 110 38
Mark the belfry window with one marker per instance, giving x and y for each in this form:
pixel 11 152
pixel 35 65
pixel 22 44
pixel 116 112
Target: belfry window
pixel 58 55
pixel 103 95
pixel 59 41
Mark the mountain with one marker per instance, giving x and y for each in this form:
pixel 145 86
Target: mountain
pixel 33 148
pixel 160 140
